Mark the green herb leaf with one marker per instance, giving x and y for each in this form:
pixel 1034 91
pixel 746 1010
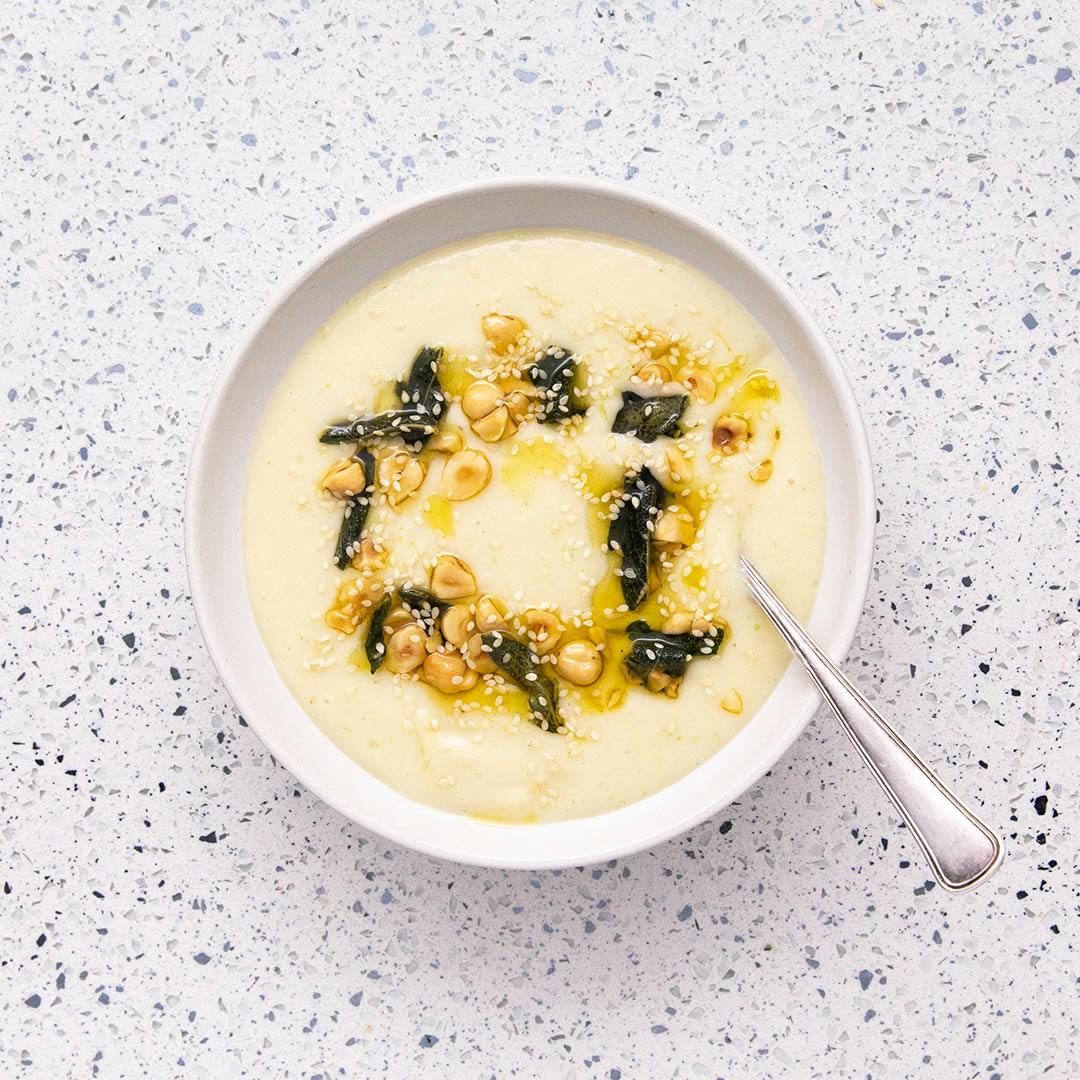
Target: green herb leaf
pixel 522 666
pixel 374 646
pixel 424 607
pixel 423 405
pixel 670 654
pixel 356 513
pixel 647 418
pixel 422 390
pixel 630 533
pixel 553 376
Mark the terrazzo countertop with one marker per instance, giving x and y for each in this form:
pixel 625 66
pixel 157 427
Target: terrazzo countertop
pixel 174 904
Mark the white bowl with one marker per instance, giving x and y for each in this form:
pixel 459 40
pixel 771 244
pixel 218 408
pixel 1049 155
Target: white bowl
pixel 219 465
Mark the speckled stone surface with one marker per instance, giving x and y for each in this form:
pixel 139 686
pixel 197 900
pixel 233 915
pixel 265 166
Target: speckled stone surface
pixel 174 904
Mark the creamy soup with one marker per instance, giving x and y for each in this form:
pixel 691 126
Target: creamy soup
pixel 493 516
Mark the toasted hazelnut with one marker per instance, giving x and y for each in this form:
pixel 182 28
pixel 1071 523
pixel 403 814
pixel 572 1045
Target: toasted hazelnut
pixel 370 556
pixel 465 474
pixel 397 617
pixel 448 672
pixel 489 615
pixel 658 344
pixel 579 662
pixel 497 425
pixel 729 434
pixel 352 604
pixel 679 623
pixel 446 442
pixel 674 526
pixel 480 398
pixel 502 331
pixel 451 578
pixel 400 475
pixel 660 683
pixel 542 629
pixel 480 660
pixel 512 384
pixel 518 405
pixel 700 382
pixel 761 471
pixel 456 623
pixel 344 478
pixel 406 649
pixel 680 466
pixel 654 372
pixel 732 702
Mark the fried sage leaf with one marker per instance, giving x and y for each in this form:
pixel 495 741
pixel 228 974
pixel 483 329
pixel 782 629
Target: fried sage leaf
pixel 356 512
pixel 669 654
pixel 426 608
pixel 423 405
pixel 553 376
pixel 374 646
pixel 648 418
pixel 522 666
pixel 630 533
pixel 422 389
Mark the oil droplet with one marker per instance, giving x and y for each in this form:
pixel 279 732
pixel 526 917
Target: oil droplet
pixel 439 513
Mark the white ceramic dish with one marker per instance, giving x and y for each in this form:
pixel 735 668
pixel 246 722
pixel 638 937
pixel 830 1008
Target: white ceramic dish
pixel 218 471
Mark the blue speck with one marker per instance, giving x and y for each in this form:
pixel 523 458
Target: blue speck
pixel 1030 321
pixel 591 125
pixel 726 147
pixel 195 309
pixel 428 1040
pixel 248 139
pixel 201 958
pixel 1062 75
pixel 357 998
pixel 426 29
pixel 685 913
pixel 34 1000
pixel 524 76
pixel 865 978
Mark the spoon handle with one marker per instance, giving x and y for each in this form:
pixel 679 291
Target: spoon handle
pixel 961 850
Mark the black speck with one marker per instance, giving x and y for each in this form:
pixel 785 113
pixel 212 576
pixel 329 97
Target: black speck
pixel 209 838
pixel 129 640
pixel 725 827
pixel 1040 804
pixel 34 1000
pixel 427 1041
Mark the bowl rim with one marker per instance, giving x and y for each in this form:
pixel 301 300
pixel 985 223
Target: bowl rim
pixel 862 548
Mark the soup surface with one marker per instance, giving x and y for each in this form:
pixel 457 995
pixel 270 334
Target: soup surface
pixel 513 477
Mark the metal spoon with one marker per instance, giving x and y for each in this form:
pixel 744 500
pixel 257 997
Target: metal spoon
pixel 961 850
